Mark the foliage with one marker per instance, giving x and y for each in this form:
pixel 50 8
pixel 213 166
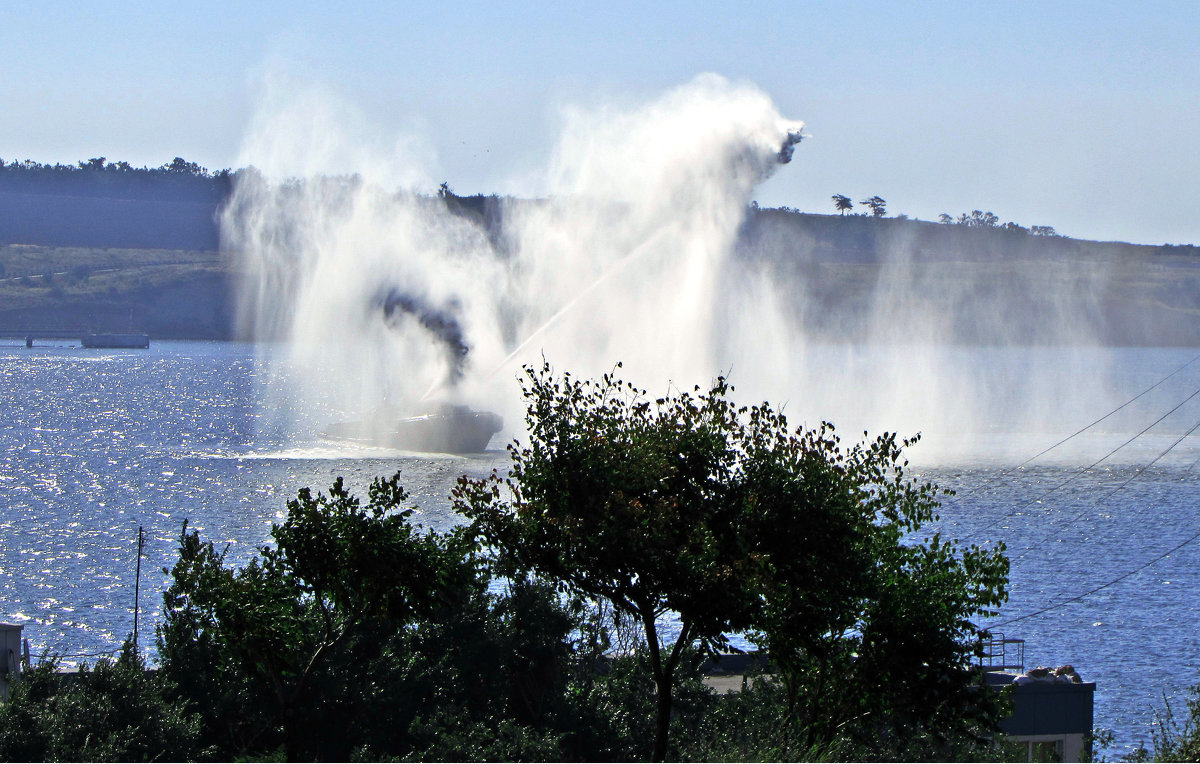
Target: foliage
pixel 871 628
pixel 358 635
pixel 625 500
pixel 450 739
pixel 338 573
pixel 981 219
pixel 877 205
pixel 721 515
pixel 748 725
pixel 177 180
pixel 842 203
pixel 537 632
pixel 116 711
pixel 1174 738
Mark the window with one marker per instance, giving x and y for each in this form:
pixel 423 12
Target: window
pixel 1046 750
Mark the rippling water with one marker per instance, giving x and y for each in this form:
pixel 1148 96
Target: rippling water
pixel 95 444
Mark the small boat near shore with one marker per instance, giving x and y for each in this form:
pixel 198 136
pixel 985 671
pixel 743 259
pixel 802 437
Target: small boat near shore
pixel 451 429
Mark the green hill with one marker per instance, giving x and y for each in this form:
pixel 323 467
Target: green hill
pixel 170 294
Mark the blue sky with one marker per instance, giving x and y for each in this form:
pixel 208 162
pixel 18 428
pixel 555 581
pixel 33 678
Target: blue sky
pixel 1082 116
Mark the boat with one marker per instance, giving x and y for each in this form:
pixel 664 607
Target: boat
pixel 450 429
pixel 115 340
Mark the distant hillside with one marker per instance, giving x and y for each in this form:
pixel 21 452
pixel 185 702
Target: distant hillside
pixel 102 204
pixel 896 280
pixel 103 246
pixel 175 294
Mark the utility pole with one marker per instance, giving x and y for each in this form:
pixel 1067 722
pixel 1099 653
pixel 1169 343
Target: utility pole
pixel 137 586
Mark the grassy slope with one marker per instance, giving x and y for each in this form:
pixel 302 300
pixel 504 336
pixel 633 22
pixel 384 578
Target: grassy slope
pixel 168 293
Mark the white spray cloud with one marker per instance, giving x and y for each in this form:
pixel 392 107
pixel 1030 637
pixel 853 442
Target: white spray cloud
pixel 621 261
pixel 362 274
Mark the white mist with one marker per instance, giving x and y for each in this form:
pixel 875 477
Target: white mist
pixel 627 256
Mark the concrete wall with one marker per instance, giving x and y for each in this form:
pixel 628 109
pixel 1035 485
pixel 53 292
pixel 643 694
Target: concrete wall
pixel 10 656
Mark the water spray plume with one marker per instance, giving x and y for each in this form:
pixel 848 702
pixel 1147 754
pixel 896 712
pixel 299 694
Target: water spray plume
pixel 620 260
pixel 633 253
pixel 783 157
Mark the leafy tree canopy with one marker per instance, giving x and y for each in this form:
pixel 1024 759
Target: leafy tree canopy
pixel 114 711
pixel 726 518
pixel 177 180
pixel 338 573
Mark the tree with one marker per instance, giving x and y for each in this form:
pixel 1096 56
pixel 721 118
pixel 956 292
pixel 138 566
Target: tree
pixel 877 204
pixel 842 203
pixel 114 711
pixel 359 636
pixel 338 571
pixel 690 505
pixel 622 499
pixel 872 633
pixel 181 166
pixel 979 219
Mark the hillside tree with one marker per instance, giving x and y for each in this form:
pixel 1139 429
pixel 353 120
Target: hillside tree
pixel 877 205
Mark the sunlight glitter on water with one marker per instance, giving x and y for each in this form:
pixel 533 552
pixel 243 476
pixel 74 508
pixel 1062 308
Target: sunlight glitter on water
pixel 100 444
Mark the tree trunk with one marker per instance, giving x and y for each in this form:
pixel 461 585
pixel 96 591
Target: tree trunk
pixel 663 675
pixel 291 736
pixel 662 719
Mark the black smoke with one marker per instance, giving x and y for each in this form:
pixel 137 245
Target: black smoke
pixel 789 146
pixel 437 320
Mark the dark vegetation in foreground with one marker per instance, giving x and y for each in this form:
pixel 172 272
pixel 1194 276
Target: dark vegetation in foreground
pixel 535 631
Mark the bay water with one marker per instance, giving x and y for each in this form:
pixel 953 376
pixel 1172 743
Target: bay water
pixel 97 443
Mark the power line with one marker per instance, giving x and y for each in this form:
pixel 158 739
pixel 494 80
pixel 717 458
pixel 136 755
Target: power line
pixel 1105 585
pixel 1079 432
pixel 1132 477
pixel 1138 472
pixel 1082 470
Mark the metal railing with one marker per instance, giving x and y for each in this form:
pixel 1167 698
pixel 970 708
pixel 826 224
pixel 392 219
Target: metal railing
pixel 1002 654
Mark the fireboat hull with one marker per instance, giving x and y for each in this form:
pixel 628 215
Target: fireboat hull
pixel 458 431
